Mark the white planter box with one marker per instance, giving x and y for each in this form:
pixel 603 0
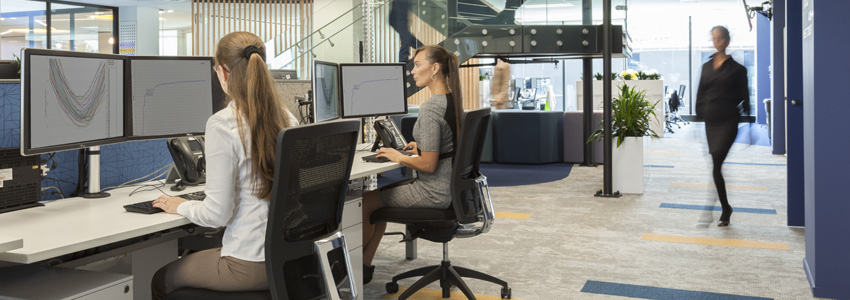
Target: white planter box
pixel 628 165
pixel 654 92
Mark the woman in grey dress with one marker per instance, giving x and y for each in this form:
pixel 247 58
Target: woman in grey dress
pixel 435 134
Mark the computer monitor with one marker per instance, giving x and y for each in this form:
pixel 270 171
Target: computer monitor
pixel 370 90
pixel 170 96
pixel 8 69
pixel 325 91
pixel 71 100
pixel 284 74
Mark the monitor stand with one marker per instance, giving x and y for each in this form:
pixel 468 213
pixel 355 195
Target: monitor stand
pixel 93 190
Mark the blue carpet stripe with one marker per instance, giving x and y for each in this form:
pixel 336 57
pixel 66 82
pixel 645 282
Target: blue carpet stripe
pixel 658 166
pixel 754 164
pixel 650 292
pixel 718 208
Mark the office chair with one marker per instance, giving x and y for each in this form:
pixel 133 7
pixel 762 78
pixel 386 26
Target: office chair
pixel 677 118
pixel 671 112
pixel 470 214
pixel 306 254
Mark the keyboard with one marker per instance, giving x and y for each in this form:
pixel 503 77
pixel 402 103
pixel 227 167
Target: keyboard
pixel 146 207
pixel 374 158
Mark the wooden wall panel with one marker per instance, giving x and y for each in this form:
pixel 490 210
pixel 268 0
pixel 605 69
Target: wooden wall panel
pixel 284 21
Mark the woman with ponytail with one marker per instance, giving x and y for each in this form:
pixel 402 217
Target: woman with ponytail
pixel 435 134
pixel 240 155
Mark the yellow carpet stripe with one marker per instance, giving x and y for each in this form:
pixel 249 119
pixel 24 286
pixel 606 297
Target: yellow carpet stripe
pixel 714 241
pixel 508 215
pixel 729 187
pixel 430 294
pixel 661 152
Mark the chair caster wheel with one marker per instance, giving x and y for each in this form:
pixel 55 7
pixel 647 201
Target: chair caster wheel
pixel 392 287
pixel 506 293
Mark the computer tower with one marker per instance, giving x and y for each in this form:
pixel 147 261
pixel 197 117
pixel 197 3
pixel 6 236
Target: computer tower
pixel 20 180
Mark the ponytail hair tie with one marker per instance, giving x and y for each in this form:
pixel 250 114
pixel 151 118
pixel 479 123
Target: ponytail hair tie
pixel 250 50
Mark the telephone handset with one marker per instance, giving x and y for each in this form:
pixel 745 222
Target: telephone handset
pixel 389 135
pixel 188 155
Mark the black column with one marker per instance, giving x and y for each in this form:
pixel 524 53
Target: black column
pixel 606 99
pixel 587 82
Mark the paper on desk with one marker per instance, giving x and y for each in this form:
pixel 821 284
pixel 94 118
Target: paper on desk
pixel 5 174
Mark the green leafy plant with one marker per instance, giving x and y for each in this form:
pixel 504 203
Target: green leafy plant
pixel 650 75
pixel 642 76
pixel 631 114
pixel 598 76
pixel 18 59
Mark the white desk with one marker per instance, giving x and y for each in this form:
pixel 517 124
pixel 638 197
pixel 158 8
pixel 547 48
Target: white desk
pixel 70 225
pixel 10 243
pixel 363 169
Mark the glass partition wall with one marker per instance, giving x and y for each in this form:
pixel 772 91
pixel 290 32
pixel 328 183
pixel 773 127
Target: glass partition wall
pixel 675 45
pixel 56 25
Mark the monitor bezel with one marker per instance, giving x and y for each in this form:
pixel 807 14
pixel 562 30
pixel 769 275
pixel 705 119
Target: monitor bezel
pixel 128 115
pixel 314 109
pixel 26 100
pixel 342 84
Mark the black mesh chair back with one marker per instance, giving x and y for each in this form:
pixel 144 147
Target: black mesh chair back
pixel 682 89
pixel 310 182
pixel 466 164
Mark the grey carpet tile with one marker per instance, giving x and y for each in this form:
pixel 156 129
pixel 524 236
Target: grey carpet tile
pixel 572 236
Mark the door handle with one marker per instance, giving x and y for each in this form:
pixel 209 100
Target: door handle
pixel 796 102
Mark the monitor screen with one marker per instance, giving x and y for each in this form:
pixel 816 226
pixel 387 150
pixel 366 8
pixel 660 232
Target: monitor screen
pixel 370 90
pixel 284 74
pixel 71 100
pixel 325 91
pixel 170 96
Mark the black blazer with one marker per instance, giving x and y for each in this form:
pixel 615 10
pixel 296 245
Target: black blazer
pixel 721 91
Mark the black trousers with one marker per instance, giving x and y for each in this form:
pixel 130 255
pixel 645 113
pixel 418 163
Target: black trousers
pixel 721 135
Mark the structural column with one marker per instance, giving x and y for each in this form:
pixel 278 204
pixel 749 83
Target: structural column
pixel 826 145
pixel 794 111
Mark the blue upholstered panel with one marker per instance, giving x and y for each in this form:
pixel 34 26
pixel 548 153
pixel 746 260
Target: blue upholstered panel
pixel 528 137
pixel 119 162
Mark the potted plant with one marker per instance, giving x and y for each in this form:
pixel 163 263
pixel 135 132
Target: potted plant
pixel 631 116
pixel 649 81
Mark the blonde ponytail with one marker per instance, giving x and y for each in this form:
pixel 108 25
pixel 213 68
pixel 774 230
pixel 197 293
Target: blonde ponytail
pixel 251 88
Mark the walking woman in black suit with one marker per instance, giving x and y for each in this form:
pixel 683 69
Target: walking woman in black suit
pixel 722 89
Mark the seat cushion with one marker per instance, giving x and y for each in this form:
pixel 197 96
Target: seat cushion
pixel 415 216
pixel 195 293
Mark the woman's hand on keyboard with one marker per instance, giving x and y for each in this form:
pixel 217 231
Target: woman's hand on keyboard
pixel 168 204
pixel 411 148
pixel 391 154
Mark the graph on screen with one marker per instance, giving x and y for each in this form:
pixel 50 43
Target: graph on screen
pixel 75 99
pixel 372 89
pixel 326 93
pixel 170 96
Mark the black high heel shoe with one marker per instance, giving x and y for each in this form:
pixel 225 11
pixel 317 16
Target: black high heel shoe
pixel 724 218
pixel 368 271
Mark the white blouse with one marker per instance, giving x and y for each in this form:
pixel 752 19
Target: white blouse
pixel 230 197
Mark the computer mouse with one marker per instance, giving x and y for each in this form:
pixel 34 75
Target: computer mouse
pixel 178 187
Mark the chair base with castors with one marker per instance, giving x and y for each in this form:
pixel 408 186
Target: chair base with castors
pixel 448 276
